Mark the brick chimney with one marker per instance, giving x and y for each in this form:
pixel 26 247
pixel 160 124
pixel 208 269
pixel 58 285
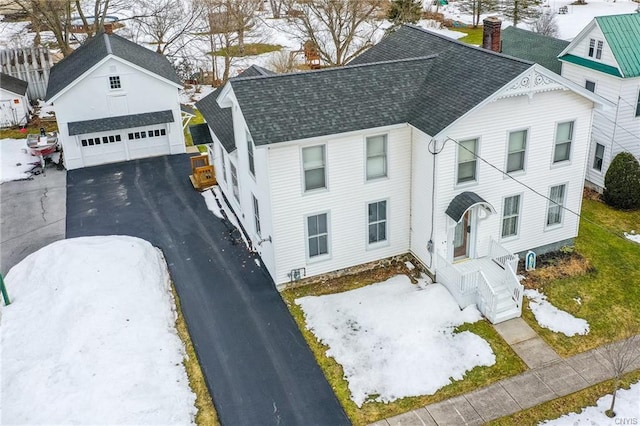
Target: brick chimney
pixel 108 28
pixel 491 27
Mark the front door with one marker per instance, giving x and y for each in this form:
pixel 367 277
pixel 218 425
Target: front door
pixel 461 237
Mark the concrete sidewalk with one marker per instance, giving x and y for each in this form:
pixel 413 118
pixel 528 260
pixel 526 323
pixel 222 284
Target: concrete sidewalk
pixel 551 378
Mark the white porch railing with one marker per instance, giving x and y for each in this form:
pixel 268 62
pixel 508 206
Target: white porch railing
pixel 461 286
pixel 513 285
pixel 502 256
pixel 487 297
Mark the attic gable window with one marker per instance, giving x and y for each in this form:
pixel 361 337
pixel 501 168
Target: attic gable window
pixel 595 48
pixel 114 82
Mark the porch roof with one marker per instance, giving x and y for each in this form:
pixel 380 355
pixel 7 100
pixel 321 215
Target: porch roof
pixel 463 202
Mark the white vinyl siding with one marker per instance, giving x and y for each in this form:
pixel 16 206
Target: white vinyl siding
pixel 377 220
pixel 317 235
pixel 256 215
pixel 564 137
pixel 234 181
pixel 313 159
pixel 467 162
pixel 598 157
pixel 517 151
pixel 376 157
pixel 510 216
pixel 556 203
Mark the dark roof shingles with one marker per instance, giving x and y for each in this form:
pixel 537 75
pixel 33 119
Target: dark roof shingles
pixel 219 119
pixel 200 134
pixel 120 122
pixel 533 47
pixel 12 84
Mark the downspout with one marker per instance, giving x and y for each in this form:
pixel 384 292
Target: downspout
pixel 430 244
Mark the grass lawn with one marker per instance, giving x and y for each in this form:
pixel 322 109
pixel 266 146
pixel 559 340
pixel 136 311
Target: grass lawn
pixel 507 362
pixel 610 296
pixel 569 404
pixel 198 119
pixel 206 415
pixel 473 35
pixel 32 127
pixel 250 49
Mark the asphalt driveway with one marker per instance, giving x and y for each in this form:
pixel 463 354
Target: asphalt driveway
pixel 258 367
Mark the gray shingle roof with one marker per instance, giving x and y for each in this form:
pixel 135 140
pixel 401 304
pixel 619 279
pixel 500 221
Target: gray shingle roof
pixel 533 47
pixel 12 84
pixel 411 76
pixel 97 48
pixel 461 204
pixel 120 122
pixel 219 119
pixel 255 71
pixel 200 134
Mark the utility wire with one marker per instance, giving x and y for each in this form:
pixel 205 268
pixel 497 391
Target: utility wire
pixel 528 187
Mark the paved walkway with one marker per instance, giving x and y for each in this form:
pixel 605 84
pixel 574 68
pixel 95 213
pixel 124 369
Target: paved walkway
pixel 549 377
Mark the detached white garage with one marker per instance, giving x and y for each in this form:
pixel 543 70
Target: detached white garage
pixel 115 101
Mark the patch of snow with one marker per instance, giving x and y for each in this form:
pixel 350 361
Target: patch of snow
pixel 409 265
pixel 257 262
pixel 15 160
pixel 90 337
pixel 212 203
pixel 45 111
pixel 627 411
pixel 556 320
pixel 210 198
pixel 395 340
pixel 632 236
pixel 193 94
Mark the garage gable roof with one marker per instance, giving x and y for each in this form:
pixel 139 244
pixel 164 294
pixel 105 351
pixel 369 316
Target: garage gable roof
pixel 120 122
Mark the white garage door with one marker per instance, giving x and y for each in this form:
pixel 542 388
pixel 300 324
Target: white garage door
pixel 148 142
pixel 103 148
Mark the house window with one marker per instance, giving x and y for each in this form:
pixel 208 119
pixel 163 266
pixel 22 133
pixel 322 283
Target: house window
pixel 510 216
pixel 234 181
pixel 314 167
pixel 517 149
pixel 224 165
pixel 595 48
pixel 256 214
pixel 590 86
pixel 377 222
pixel 317 235
pixel 564 136
pixel 638 106
pixel 467 161
pixel 598 157
pixel 556 201
pixel 114 82
pixel 376 157
pixel 252 168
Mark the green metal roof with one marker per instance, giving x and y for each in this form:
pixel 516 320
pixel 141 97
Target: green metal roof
pixel 607 69
pixel 533 47
pixel 622 33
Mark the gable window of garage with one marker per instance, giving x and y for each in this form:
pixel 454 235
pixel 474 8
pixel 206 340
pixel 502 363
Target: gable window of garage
pixel 114 82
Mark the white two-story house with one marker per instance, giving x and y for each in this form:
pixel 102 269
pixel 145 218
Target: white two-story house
pixel 422 145
pixel 115 101
pixel 605 58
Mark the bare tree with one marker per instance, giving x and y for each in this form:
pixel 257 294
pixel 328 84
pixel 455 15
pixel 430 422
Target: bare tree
pixel 339 29
pixel 476 8
pixel 546 24
pixel 242 14
pixel 283 62
pixel 621 356
pixel 276 8
pixel 521 10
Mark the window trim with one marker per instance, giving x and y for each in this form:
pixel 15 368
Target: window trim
pixel 555 163
pixel 385 157
pixel 525 156
pixel 477 155
pixel 563 205
pixel 256 216
pixel 386 241
pixel 319 257
pixel 595 158
pixel 518 216
pixel 595 48
pixel 324 165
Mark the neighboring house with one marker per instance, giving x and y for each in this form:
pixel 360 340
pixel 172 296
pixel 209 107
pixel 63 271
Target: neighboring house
pixel 115 101
pixel 14 105
pixel 401 152
pixel 605 58
pixel 533 47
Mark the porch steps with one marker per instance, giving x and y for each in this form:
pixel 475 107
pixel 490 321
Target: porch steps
pixel 506 307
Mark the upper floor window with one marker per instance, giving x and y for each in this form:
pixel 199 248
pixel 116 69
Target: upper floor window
pixel 517 150
pixel 595 48
pixel 224 165
pixel 564 136
pixel 638 106
pixel 114 82
pixel 510 216
pixel 234 181
pixel 317 235
pixel 256 214
pixel 376 157
pixel 313 159
pixel 556 203
pixel 252 167
pixel 377 222
pixel 598 157
pixel 467 160
pixel 590 86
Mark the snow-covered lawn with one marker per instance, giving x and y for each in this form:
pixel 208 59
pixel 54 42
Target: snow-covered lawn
pixel 395 339
pixel 627 411
pixel 632 236
pixel 89 337
pixel 556 320
pixel 15 160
